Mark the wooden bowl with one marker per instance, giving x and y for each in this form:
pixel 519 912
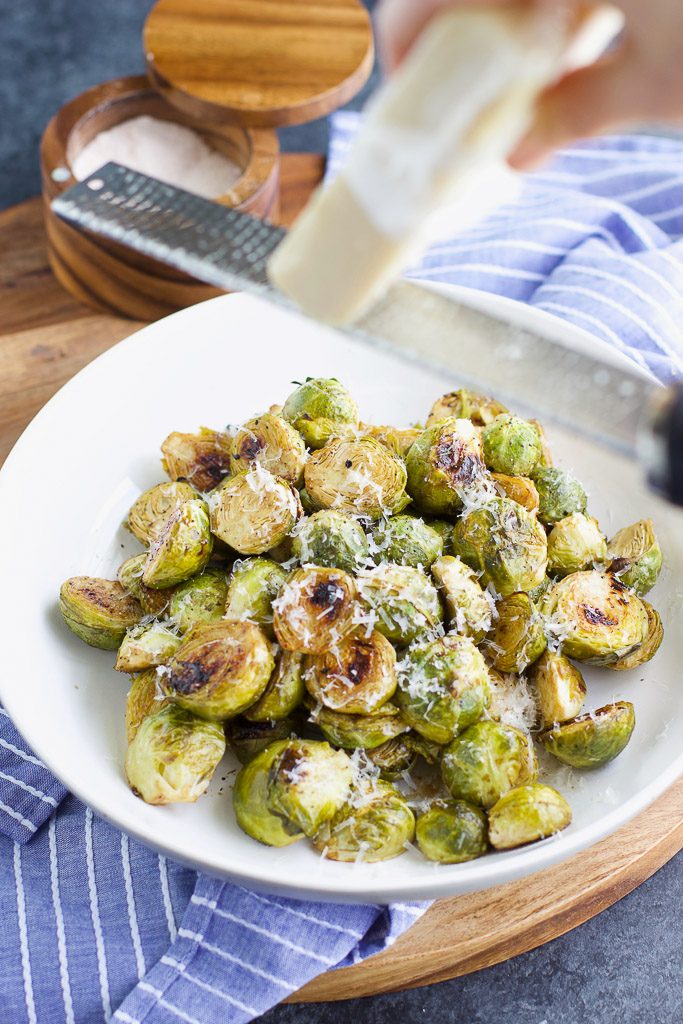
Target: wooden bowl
pixel 110 277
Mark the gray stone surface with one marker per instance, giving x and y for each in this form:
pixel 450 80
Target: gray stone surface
pixel 624 967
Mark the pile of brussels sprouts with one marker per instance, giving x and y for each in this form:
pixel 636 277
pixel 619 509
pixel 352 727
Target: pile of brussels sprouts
pixel 343 605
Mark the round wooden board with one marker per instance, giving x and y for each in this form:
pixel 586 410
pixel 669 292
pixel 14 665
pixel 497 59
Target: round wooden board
pixel 45 337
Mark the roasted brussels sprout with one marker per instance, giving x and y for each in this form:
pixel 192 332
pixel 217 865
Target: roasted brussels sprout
pixel 203 459
pixel 307 503
pixel 468 607
pixel 443 463
pixel 182 549
pixel 596 617
pixel 201 599
pixel 309 782
pixel 465 405
pixel 98 611
pixel 649 647
pixel 574 543
pixel 272 443
pixel 526 814
pixel 559 494
pixel 220 669
pixel 152 602
pixel 247 739
pixel 635 556
pixel 444 528
pixel 253 586
pixel 251 800
pixel 398 439
pixel 364 731
pixel 402 600
pixel 546 455
pixel 377 824
pixel 517 488
pixel 453 832
pixel 517 637
pixel 406 540
pixel 254 511
pixel 486 761
pixel 331 539
pixel 356 675
pixel 321 409
pixel 172 756
pixel 314 609
pixel 144 699
pixel 146 647
pixel 511 445
pixel 505 543
pixel 559 687
pixel 284 692
pixel 594 739
pixel 150 511
pixel 393 758
pixel 357 475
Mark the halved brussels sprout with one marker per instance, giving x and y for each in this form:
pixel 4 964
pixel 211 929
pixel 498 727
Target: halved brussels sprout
pixel 283 694
pixel 469 608
pixel 393 758
pixel 517 637
pixel 636 557
pixel 486 761
pixel 574 543
pixel 331 539
pixel 356 675
pixel 203 459
pixel 597 618
pixel 149 512
pixel 443 687
pixel 98 611
pixel 253 586
pixel 309 783
pixel 172 756
pixel 182 549
pixel 404 601
pixel 272 443
pixel 559 686
pixel 527 814
pixel 201 599
pixel 453 832
pixel 153 602
pixel 321 409
pixel 254 511
pixel 444 462
pixel 308 505
pixel 314 609
pixel 220 669
pixel 559 493
pixel 357 475
pixel 593 739
pixel 365 731
pixel 505 544
pixel 144 699
pixel 397 439
pixel 517 488
pixel 377 824
pixel 465 405
pixel 146 647
pixel 251 800
pixel 406 540
pixel 649 647
pixel 247 739
pixel 511 445
pixel 539 592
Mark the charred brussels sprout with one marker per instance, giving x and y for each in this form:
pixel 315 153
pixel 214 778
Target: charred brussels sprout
pixel 182 549
pixel 486 761
pixel 247 739
pixel 575 543
pixel 356 676
pixel 377 824
pixel 505 544
pixel 254 511
pixel 517 488
pixel 271 442
pixel 465 405
pixel 320 410
pixel 314 609
pixel 406 540
pixel 220 669
pixel 153 602
pixel 309 782
pixel 331 539
pixel 593 739
pixel 511 446
pixel 397 439
pixel 402 600
pixel 251 800
pixel 172 756
pixel 516 638
pixel 98 611
pixel 284 692
pixel 357 475
pixel 597 618
pixel 365 731
pixel 468 607
pixel 443 687
pixel 559 494
pixel 453 832
pixel 144 699
pixel 150 511
pixel 649 647
pixel 201 599
pixel 393 758
pixel 636 557
pixel 527 814
pixel 146 647
pixel 443 463
pixel 559 686
pixel 253 586
pixel 203 459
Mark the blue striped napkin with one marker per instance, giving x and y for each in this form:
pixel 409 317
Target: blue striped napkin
pixel 96 926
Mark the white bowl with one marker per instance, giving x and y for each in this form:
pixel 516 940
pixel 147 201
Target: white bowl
pixel 66 487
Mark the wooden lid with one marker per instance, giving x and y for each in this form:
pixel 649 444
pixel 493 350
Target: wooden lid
pixel 258 62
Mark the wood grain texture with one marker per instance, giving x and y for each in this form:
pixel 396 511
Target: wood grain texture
pixel 45 337
pixel 258 62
